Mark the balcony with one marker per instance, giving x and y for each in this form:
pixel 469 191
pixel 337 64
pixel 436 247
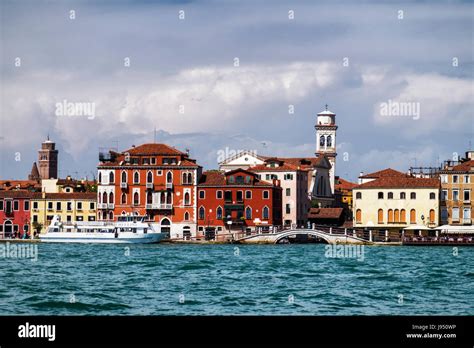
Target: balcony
pixel 102 205
pixel 466 221
pixel 169 185
pixel 123 185
pixel 9 212
pixel 149 185
pixel 111 205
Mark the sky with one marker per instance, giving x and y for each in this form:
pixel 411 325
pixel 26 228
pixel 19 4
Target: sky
pixel 217 77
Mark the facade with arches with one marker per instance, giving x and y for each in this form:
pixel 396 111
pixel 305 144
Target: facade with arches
pixel 152 180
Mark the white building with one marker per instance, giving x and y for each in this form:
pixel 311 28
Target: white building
pixel 326 140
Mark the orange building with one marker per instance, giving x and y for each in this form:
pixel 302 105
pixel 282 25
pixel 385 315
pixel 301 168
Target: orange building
pixel 152 180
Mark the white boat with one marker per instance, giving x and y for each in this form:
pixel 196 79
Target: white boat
pixel 128 229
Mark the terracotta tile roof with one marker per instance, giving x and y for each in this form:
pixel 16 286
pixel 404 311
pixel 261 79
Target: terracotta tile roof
pixel 383 173
pixel 342 184
pixel 154 149
pixel 325 213
pixel 217 178
pixel 19 184
pixel 283 168
pixel 401 182
pixel 16 194
pixel 67 195
pixel 464 167
pixel 291 163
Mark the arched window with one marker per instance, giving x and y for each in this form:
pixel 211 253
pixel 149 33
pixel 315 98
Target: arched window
pixel 136 198
pixel 201 213
pixel 397 216
pixel 403 216
pixel 104 197
pixel 322 140
pixel 190 178
pixel 390 195
pixel 413 195
pixel 380 195
pixel 111 197
pixel 99 215
pixel 248 213
pixel 149 198
pixel 329 141
pixel 111 215
pixel 380 216
pixel 219 213
pixel 111 177
pixel 124 198
pixel 124 177
pixel 403 195
pixel 185 178
pixel 99 197
pixel 432 195
pixel 100 177
pixel 432 215
pixel 149 177
pixel 413 216
pixel 187 200
pixel 390 216
pixel 358 216
pixel 359 195
pixel 168 198
pixel 136 178
pixel 169 177
pixel 266 213
pixel 186 216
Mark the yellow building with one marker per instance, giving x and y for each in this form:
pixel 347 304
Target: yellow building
pixel 394 201
pixel 71 207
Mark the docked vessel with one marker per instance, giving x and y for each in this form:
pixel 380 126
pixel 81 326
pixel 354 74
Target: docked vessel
pixel 128 229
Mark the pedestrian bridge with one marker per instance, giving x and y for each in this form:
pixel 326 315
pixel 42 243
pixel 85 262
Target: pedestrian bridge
pixel 330 237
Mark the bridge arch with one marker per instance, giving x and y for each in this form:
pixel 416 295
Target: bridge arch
pixel 315 233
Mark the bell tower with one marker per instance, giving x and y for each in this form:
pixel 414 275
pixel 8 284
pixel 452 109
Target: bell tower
pixel 326 140
pixel 48 160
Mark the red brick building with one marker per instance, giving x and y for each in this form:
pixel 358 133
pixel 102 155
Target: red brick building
pixel 14 213
pixel 153 180
pixel 237 196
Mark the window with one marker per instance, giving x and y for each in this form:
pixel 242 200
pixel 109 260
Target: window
pixel 202 194
pixel 396 216
pixel 16 205
pixel 187 198
pixel 111 197
pixel 329 141
pixel 248 213
pixel 322 140
pixel 240 196
pixel 219 213
pixel 100 177
pixel 359 195
pixel 1 205
pixel 248 194
pixel 390 195
pixel 169 178
pixel 201 213
pixel 190 178
pixel 239 179
pixel 35 218
pixel 413 195
pixel 69 206
pixel 123 200
pixel 58 206
pixel 124 177
pixel 444 214
pixel 444 179
pixel 146 160
pixel 390 216
pixel 403 195
pixel 444 195
pixel 380 216
pixel 153 160
pixel 111 177
pixel 455 195
pixel 186 216
pixel 266 194
pixel 26 205
pixel 79 205
pixel 91 218
pixel 413 216
pixel 149 197
pixel 136 178
pixel 228 196
pixel 159 172
pixel 104 197
pixel 91 206
pixel 380 195
pixel 467 214
pixel 266 213
pixel 219 194
pixel 288 209
pixel 466 179
pixel 456 214
pixel 432 216
pixel 288 177
pixel 467 195
pixel 358 216
pixel 136 198
pixel 455 179
pixel 288 192
pixel 149 177
pixel 403 216
pixel 50 205
pixel 35 205
pixel 231 180
pixel 432 195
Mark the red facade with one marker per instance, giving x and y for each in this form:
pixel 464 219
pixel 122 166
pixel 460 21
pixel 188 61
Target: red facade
pixel 239 197
pixel 14 213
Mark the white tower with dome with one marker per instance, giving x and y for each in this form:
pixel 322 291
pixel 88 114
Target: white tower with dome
pixel 326 140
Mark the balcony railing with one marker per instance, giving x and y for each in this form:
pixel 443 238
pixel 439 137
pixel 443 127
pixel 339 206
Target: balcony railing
pixel 161 206
pixel 111 205
pixel 466 221
pixel 169 185
pixel 149 185
pixel 102 205
pixel 123 185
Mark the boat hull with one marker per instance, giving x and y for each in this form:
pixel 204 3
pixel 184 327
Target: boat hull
pixel 96 237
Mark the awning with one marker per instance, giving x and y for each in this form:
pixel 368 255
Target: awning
pixel 450 229
pixel 417 227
